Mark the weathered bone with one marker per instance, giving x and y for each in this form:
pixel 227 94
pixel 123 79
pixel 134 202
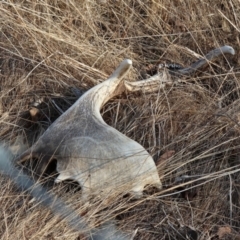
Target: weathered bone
pixel 158 81
pixel 94 154
pixel 58 207
pixel 203 62
pixel 161 79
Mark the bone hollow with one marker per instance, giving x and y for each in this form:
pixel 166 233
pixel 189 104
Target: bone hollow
pixel 57 206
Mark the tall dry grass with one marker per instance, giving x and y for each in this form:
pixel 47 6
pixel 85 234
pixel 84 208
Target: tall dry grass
pixel 49 48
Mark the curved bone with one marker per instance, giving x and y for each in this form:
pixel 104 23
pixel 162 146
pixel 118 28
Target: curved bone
pixel 89 151
pixel 201 63
pixel 157 81
pixel 96 155
pixel 58 207
pixel 40 193
pixel 160 80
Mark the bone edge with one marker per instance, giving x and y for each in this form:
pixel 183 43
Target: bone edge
pixel 47 199
pixel 155 82
pixel 121 70
pixel 24 156
pixel 210 56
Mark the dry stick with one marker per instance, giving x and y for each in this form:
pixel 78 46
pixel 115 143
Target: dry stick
pixel 230 199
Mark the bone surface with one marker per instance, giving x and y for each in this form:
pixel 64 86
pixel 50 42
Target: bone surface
pixel 89 151
pixel 51 201
pixel 161 79
pixel 203 62
pixel 97 156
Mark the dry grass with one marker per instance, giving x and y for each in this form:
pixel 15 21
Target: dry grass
pixel 48 47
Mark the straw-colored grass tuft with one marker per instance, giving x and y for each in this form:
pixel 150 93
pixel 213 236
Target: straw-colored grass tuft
pixel 51 50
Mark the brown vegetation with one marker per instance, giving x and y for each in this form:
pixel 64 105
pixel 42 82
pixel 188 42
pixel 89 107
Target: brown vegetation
pixel 51 49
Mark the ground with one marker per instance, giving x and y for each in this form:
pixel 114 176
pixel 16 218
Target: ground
pixel 49 49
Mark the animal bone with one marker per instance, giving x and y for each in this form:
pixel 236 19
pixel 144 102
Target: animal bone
pixel 58 207
pixel 38 192
pixel 202 62
pixel 160 80
pixel 96 155
pixel 157 81
pixel 87 150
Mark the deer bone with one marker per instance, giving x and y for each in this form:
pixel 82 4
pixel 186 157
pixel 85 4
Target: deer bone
pixel 157 81
pixel 203 62
pixel 89 151
pixel 161 79
pixel 96 155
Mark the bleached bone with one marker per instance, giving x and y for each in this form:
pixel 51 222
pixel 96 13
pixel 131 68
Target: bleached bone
pixel 58 207
pixel 203 62
pixel 161 79
pixel 96 155
pixel 37 191
pixel 92 153
pixel 158 81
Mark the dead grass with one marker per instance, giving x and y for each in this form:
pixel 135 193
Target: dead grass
pixel 48 47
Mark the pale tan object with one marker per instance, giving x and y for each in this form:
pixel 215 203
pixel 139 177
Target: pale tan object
pixel 96 155
pixel 204 61
pixel 34 113
pixel 91 152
